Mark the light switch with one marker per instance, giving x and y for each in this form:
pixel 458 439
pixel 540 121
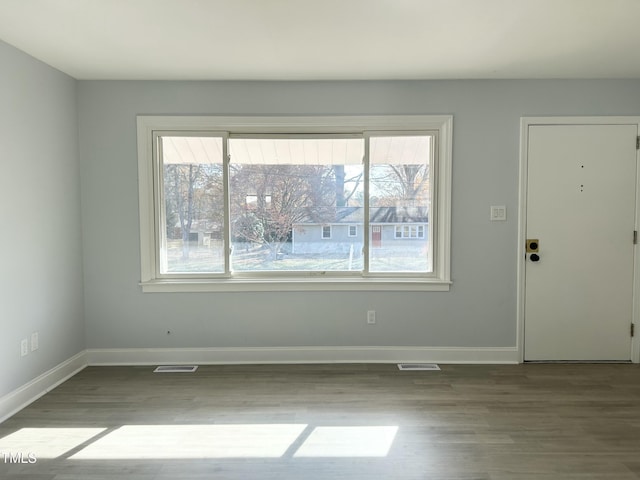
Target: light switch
pixel 498 213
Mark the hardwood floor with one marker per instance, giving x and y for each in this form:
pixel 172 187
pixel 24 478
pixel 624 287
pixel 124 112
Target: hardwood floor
pixel 465 422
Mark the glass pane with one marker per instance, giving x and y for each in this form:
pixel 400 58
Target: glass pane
pixel 193 217
pixel 292 202
pixel 400 204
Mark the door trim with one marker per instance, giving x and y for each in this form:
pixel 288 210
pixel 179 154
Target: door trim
pixel 525 123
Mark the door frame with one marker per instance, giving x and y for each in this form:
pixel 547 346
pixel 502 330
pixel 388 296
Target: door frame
pixel 525 123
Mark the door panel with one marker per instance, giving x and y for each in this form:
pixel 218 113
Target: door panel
pixel 581 196
pixel 376 236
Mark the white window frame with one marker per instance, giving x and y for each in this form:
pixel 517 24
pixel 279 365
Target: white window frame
pixel 440 127
pixel 322 235
pixel 355 230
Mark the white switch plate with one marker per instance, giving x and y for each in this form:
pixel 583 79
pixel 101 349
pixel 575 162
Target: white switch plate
pixel 35 343
pixel 24 347
pixel 371 317
pixel 498 213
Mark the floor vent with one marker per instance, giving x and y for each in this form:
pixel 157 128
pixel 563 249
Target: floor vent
pixel 176 369
pixel 418 366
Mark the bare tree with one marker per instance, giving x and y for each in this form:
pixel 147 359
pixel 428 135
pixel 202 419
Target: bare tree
pixel 406 184
pixel 281 195
pixel 342 195
pixel 192 192
pixel 412 179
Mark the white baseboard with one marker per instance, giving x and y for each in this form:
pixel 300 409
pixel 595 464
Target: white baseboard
pixel 16 400
pixel 265 355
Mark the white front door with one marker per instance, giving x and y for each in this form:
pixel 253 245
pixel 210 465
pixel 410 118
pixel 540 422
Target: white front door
pixel 581 197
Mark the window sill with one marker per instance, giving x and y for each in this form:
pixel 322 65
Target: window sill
pixel 295 285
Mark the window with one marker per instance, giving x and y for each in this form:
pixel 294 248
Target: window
pixel 191 204
pixel 294 182
pixel 409 231
pixel 233 203
pixel 399 193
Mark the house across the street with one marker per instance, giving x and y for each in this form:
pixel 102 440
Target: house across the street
pixel 341 229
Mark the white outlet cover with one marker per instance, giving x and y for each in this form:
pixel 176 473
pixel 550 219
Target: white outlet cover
pixel 24 347
pixel 35 344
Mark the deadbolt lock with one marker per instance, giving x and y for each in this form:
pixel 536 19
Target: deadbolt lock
pixel 533 245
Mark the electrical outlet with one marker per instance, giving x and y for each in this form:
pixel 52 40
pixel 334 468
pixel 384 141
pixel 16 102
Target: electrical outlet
pixel 35 343
pixel 24 347
pixel 371 317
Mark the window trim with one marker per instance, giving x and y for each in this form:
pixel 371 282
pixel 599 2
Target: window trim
pixel 439 224
pixel 355 232
pixel 322 235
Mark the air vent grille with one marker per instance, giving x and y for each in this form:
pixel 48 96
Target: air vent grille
pixel 418 366
pixel 176 369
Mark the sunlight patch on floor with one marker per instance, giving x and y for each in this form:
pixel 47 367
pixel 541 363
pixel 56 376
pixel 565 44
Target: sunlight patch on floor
pixel 130 442
pixel 348 442
pixel 47 442
pixel 193 441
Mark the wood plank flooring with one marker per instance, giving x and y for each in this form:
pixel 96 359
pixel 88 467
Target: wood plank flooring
pixel 348 422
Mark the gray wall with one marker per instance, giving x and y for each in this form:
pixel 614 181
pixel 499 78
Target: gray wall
pixel 480 309
pixel 40 245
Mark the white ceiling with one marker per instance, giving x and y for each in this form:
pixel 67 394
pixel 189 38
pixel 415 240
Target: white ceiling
pixel 328 39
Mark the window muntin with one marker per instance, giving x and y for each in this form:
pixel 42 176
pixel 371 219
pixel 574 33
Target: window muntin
pixel 353 230
pixel 437 230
